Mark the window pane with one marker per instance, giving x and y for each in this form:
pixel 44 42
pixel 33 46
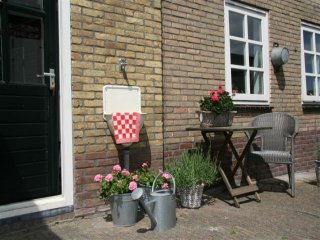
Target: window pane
pixel 318 86
pixel 318 43
pixel 237 51
pixel 310 86
pixel 238 79
pixel 236 24
pixel 318 64
pixel 254 28
pixel 255 55
pixel 256 82
pixel 307 40
pixel 28 3
pixel 308 63
pixel 26 49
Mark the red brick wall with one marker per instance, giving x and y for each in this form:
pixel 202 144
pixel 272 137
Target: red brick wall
pixel 193 63
pixel 175 54
pixel 102 32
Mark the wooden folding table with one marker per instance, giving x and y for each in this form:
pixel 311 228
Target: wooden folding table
pixel 228 132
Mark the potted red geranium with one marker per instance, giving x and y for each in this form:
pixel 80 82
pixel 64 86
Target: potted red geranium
pixel 217 109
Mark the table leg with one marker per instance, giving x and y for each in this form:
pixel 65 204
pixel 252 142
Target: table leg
pixel 244 152
pixel 234 192
pixel 239 158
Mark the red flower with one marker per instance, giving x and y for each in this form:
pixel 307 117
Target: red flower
pixel 220 85
pixel 220 91
pixel 215 98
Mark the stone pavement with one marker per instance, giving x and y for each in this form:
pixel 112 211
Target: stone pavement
pixel 277 216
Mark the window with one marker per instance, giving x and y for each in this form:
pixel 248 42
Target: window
pixel 310 63
pixel 246 53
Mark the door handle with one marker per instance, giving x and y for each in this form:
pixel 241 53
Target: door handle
pixel 51 75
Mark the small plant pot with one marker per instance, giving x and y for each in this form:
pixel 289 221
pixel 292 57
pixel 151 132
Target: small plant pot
pixel 212 119
pixel 191 197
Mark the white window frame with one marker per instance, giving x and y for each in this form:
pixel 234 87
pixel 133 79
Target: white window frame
pixel 247 98
pixel 316 97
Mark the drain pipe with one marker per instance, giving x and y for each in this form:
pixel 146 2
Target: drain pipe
pixel 126 158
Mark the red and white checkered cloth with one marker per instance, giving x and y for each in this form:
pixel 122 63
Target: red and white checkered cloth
pixel 126 127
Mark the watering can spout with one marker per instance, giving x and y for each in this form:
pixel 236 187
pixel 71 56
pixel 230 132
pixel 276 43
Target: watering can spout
pixel 137 195
pixel 162 211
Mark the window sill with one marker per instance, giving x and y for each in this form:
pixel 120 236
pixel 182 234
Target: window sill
pixel 253 108
pixel 310 105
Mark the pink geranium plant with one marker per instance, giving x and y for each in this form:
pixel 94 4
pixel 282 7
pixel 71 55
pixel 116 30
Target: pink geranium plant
pixel 146 177
pixel 218 101
pixel 119 181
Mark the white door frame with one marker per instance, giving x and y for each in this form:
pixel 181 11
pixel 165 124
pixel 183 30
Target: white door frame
pixel 66 197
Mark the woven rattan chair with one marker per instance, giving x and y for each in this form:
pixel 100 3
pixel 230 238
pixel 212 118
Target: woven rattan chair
pixel 274 146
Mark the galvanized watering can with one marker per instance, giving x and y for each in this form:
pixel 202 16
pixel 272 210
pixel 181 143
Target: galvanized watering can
pixel 161 209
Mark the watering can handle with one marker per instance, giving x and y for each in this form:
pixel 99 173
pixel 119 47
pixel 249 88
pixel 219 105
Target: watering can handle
pixel 156 178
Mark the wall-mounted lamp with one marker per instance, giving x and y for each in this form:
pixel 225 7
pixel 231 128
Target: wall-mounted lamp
pixel 279 55
pixel 122 65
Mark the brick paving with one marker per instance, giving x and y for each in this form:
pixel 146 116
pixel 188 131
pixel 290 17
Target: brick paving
pixel 277 216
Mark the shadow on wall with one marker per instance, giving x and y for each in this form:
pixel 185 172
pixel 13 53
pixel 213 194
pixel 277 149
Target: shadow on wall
pixel 138 152
pixel 278 72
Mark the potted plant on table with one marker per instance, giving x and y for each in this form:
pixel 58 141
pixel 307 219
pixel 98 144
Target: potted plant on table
pixel 217 109
pixel 192 171
pixel 117 187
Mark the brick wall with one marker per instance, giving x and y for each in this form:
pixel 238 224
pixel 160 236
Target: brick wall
pixel 102 32
pixel 193 63
pixel 175 54
pixel 193 60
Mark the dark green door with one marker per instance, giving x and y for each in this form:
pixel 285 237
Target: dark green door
pixel 29 131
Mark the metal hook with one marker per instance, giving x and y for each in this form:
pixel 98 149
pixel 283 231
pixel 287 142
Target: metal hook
pixel 122 65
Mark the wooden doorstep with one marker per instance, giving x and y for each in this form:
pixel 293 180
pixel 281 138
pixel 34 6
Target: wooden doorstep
pixel 244 189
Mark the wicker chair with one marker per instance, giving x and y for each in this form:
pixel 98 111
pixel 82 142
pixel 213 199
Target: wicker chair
pixel 274 142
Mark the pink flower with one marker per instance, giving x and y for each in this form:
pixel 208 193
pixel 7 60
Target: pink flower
pixel 132 186
pixel 125 172
pixel 220 91
pixel 109 178
pixel 135 177
pixel 212 92
pixel 165 186
pixel 215 98
pixel 145 165
pixel 234 92
pixel 166 176
pixel 220 85
pixel 98 178
pixel 116 168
